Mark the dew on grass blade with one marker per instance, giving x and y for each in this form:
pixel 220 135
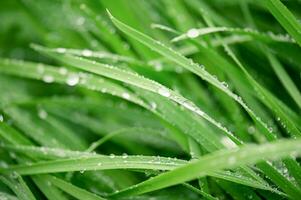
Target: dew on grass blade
pixel 192 33
pixel 72 79
pixel 42 114
pixel 48 78
pixel 164 92
pixel 87 53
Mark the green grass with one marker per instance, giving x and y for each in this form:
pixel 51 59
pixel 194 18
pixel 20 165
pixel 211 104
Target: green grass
pixel 138 99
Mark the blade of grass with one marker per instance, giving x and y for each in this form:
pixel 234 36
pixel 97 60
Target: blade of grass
pixel 215 161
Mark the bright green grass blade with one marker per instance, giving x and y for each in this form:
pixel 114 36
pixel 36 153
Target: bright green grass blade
pixel 15 182
pixel 136 80
pixel 53 154
pixel 204 194
pixel 50 74
pixel 72 189
pixel 97 162
pixel 194 33
pixel 6 196
pixel 285 18
pixel 285 79
pixel 188 64
pixel 215 161
pixel 51 192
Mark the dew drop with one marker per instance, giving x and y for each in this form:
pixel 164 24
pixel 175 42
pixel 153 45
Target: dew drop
pixel 87 53
pixel 72 79
pixel 63 71
pixel 48 79
pixel 61 50
pixel 42 114
pixel 126 95
pixel 112 156
pixel 158 66
pixel 251 130
pixel 228 143
pixel 1 118
pixel 225 84
pixel 192 33
pixel 153 105
pixel 270 129
pixel 164 92
pixel 124 155
pixel 80 21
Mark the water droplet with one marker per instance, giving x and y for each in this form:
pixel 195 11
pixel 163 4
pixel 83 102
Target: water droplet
pixel 225 84
pixel 270 129
pixel 126 95
pixel 87 53
pixel 48 79
pixel 99 164
pixel 1 118
pixel 72 79
pixel 228 143
pixel 80 21
pixel 192 33
pixel 158 66
pixel 112 156
pixel 164 92
pixel 61 50
pixel 124 155
pixel 251 130
pixel 63 71
pixel 42 114
pixel 153 105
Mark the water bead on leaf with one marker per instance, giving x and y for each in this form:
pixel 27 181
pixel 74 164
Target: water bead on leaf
pixel 42 114
pixel 126 95
pixel 61 50
pixel 164 92
pixel 87 53
pixel 193 33
pixel 48 78
pixel 72 79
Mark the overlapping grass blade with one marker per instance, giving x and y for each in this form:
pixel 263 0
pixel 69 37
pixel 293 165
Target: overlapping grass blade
pixel 215 161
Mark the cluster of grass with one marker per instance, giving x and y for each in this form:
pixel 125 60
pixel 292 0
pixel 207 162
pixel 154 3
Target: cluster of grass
pixel 150 99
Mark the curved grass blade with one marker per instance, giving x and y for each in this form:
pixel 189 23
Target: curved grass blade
pixel 215 161
pixel 118 74
pixel 70 157
pixel 50 74
pixel 285 18
pixel 285 79
pixel 194 33
pixel 136 80
pixel 189 65
pixel 15 182
pixel 73 190
pixel 7 196
pixel 97 162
